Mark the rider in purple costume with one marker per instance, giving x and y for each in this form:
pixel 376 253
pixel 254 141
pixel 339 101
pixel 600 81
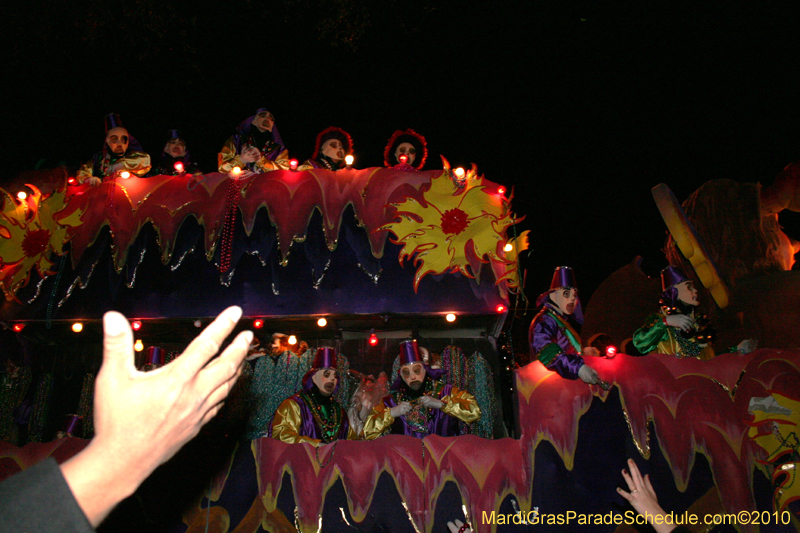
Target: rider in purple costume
pixel 312 415
pixel 552 336
pixel 419 404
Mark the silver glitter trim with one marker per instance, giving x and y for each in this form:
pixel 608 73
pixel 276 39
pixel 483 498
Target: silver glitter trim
pixel 318 282
pixel 38 290
pixel 79 282
pixel 226 277
pixel 180 260
pixel 258 255
pixel 275 290
pixel 373 277
pixel 133 278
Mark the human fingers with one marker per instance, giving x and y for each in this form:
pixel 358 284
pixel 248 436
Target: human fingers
pixel 628 480
pixel 635 474
pixel 217 379
pixel 227 364
pixel 625 494
pixel 452 527
pixel 207 344
pixel 649 486
pixel 117 343
pixel 217 397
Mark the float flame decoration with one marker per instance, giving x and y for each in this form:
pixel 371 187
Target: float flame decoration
pixel 454 229
pixel 29 235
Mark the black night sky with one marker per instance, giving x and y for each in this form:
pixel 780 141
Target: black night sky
pixel 582 107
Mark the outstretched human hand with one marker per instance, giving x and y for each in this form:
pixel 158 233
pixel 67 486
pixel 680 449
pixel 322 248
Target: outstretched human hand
pixel 642 497
pixel 142 419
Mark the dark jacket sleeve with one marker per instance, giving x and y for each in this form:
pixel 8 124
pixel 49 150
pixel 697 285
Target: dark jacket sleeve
pixel 39 499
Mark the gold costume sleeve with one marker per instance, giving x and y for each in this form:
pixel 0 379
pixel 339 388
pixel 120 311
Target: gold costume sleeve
pixel 287 422
pixel 136 163
pixel 379 422
pixel 461 405
pixel 280 163
pixel 229 157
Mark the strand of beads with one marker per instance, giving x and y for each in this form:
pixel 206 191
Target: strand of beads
pixel 228 227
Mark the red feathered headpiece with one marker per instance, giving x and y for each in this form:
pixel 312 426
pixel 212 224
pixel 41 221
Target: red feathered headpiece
pixel 408 136
pixel 333 132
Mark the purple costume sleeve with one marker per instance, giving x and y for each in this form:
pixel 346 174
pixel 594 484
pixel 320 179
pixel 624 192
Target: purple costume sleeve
pixel 544 331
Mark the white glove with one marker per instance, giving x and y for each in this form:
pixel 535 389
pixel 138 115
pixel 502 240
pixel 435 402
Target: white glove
pixel 400 409
pixel 431 402
pixel 94 181
pixel 747 345
pixel 683 322
pixel 588 375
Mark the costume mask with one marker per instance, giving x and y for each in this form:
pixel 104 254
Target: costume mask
pixel 333 149
pixel 687 293
pixel 117 140
pixel 409 150
pixel 325 379
pixel 565 299
pixel 264 121
pixel 413 375
pixel 176 148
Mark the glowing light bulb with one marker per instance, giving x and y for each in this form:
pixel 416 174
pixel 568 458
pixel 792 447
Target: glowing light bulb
pixel 459 172
pixel 292 340
pixel 451 317
pixel 501 190
pixel 236 171
pixel 18 327
pixel 77 327
pixel 322 322
pixel 22 195
pixel 258 323
pixel 611 351
pixel 138 345
pixel 136 325
pixel 508 247
pixel 179 167
pixel 293 164
pixel 373 340
pixel 198 323
pixel 71 181
pixel 403 158
pixel 348 160
pixel 500 308
pixel 124 174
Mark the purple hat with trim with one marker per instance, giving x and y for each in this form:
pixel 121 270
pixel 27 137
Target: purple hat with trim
pixel 326 358
pixel 563 277
pixel 155 356
pixel 409 352
pixel 671 276
pixel 113 120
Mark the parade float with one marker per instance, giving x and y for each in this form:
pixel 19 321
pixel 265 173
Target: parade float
pixel 382 254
